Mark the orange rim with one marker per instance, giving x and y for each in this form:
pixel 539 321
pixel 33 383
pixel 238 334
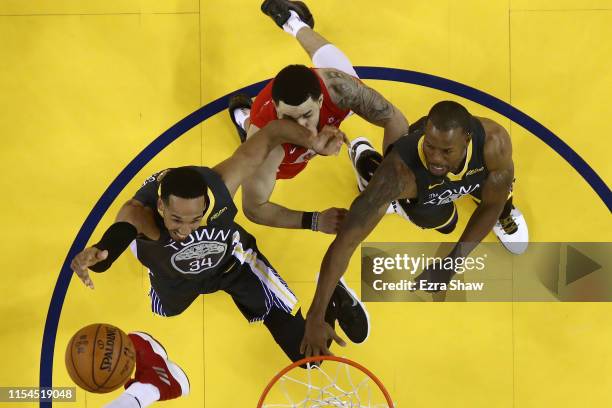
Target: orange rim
pixel 322 358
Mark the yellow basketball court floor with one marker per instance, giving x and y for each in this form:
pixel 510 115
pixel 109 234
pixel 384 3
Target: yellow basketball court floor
pixel 87 85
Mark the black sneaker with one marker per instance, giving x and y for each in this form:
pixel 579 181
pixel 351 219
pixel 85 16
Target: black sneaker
pixel 239 101
pixel 351 313
pixel 356 148
pixel 331 314
pixel 278 10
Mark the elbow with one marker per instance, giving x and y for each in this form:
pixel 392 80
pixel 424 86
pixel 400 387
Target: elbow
pixel 250 211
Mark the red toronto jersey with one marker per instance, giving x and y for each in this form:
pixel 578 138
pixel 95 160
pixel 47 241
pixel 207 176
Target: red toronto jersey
pixel 296 157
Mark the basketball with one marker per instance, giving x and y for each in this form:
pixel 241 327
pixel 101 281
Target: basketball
pixel 100 358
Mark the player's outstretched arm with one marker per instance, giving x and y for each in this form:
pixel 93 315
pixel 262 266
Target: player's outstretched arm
pixel 133 218
pixel 254 151
pixel 348 92
pixel 391 181
pixel 256 204
pixel 495 191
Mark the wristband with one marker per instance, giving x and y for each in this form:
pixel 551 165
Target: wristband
pixel 115 240
pixel 310 220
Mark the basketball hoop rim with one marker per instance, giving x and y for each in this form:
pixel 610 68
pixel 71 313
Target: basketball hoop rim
pixel 324 358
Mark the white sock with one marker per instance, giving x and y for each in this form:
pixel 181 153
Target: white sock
pixel 125 400
pixel 145 393
pixel 294 24
pixel 241 115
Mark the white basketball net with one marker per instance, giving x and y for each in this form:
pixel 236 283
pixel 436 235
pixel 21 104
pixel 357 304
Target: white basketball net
pixel 342 385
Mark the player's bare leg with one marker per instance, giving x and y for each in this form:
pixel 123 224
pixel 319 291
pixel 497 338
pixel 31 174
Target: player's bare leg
pixel 310 40
pixel 295 18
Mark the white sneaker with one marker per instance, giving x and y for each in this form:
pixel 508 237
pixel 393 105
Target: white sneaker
pixel 513 233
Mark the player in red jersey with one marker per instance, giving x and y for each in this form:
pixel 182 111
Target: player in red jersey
pixel 313 97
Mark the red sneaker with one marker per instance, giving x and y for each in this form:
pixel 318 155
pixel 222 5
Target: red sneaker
pixel 153 367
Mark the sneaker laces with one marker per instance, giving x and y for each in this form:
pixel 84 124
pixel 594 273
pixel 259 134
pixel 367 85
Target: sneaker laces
pixel 508 224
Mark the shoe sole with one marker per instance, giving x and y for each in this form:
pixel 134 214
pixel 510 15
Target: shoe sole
pixel 506 246
pixel 352 293
pixel 235 105
pixel 297 6
pixel 265 9
pixel 177 372
pixel 180 376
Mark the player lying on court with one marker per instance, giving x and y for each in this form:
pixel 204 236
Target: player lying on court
pixel 446 155
pixel 186 259
pixel 312 97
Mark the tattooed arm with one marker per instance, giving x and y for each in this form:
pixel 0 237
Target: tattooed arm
pixel 392 180
pixel 348 92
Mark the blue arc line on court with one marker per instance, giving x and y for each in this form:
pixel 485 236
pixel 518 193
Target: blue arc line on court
pixel 212 108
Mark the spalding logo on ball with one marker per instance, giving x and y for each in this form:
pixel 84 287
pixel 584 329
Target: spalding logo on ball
pixel 100 358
